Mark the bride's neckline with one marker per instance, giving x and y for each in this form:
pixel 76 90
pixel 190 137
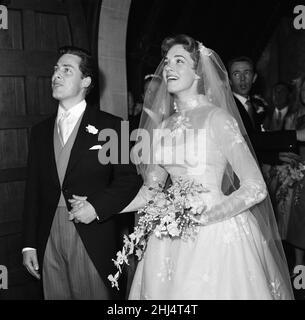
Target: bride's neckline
pixel 190 104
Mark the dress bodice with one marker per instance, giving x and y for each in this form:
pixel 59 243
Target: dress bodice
pixel 185 147
pixel 203 143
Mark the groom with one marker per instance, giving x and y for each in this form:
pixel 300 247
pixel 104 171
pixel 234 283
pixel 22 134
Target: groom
pixel 73 256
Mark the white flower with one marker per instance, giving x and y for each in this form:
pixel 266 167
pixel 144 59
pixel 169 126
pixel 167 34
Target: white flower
pixel 139 253
pixel 173 229
pixel 260 109
pixel 158 231
pixel 204 50
pixel 166 215
pixel 91 129
pixel 128 244
pixel 259 97
pixel 114 280
pixel 121 257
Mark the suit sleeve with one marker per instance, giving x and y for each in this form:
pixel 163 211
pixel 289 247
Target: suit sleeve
pixel 269 144
pixel 123 188
pixel 31 202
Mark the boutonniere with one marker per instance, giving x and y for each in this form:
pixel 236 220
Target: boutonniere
pixel 259 103
pixel 91 129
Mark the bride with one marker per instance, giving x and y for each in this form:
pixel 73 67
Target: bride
pixel 237 252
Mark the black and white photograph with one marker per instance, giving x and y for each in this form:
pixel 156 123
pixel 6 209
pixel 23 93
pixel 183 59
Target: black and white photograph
pixel 152 150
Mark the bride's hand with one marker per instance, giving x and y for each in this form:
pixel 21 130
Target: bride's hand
pixel 76 203
pixel 289 157
pixel 201 220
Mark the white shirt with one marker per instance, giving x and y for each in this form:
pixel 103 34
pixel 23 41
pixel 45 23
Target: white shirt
pixel 282 111
pixel 242 100
pixel 74 114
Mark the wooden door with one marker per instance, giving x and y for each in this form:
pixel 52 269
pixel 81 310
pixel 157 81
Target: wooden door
pixel 28 52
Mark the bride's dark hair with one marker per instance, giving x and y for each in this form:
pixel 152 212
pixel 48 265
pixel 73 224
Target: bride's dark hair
pixel 188 43
pixel 191 46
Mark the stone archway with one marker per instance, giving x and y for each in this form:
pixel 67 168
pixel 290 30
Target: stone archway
pixel 112 56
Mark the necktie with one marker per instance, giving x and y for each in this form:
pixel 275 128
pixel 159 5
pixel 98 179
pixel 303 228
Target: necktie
pixel 250 111
pixel 279 119
pixel 63 127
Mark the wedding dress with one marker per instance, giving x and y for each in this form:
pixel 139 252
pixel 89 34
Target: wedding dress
pixel 229 257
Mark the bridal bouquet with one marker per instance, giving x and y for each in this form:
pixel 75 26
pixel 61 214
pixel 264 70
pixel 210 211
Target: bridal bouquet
pixel 173 213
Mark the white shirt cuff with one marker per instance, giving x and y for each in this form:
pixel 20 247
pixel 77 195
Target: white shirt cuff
pixel 27 249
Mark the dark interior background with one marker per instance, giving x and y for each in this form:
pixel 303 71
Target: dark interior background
pixel 234 27
pixel 231 28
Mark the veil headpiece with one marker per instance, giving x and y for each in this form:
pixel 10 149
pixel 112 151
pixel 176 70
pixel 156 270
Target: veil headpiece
pixel 159 105
pixel 215 86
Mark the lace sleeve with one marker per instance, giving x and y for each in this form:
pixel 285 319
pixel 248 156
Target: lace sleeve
pixel 252 189
pixel 155 182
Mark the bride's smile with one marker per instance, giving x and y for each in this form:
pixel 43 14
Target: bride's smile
pixel 179 73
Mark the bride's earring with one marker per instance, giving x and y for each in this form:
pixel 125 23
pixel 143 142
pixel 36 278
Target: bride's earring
pixel 175 107
pixel 197 77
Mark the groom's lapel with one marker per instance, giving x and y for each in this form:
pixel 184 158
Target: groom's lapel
pixel 83 140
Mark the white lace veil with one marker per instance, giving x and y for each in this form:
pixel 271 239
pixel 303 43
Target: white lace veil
pixel 214 84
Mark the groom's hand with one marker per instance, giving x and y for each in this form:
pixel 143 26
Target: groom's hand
pixel 30 261
pixel 82 210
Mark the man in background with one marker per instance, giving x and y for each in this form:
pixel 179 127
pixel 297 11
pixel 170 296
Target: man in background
pixel 278 116
pixel 270 147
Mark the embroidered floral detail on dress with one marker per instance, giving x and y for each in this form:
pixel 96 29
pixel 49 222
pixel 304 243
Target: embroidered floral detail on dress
pixel 232 233
pixel 251 276
pixel 243 222
pixel 253 193
pixel 205 277
pixel 167 270
pixel 208 278
pixel 232 127
pixel 274 289
pixel 237 138
pixel 236 229
pixel 180 123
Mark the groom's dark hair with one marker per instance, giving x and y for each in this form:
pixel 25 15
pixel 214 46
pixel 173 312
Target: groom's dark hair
pixel 86 65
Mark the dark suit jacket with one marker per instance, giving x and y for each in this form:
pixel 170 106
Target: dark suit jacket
pixel 268 121
pixel 268 144
pixel 109 187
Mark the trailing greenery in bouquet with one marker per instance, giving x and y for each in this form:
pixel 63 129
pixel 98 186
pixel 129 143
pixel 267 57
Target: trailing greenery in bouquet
pixel 175 212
